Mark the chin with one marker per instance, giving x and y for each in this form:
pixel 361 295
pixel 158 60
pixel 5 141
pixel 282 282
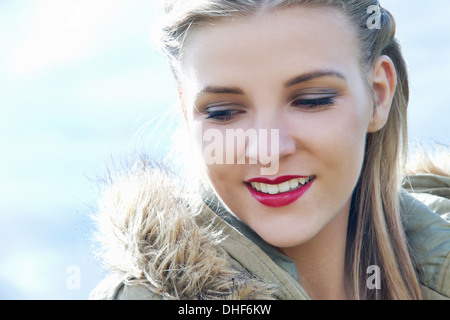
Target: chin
pixel 284 235
pixel 288 242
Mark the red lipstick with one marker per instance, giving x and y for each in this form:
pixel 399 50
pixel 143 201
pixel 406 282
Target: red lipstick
pixel 283 198
pixel 277 180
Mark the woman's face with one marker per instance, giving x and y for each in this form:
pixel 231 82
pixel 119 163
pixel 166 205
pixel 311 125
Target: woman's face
pixel 294 72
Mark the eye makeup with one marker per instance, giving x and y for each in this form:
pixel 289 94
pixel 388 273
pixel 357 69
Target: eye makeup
pixel 312 104
pixel 313 99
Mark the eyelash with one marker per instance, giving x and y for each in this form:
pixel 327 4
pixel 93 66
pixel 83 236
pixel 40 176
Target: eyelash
pixel 312 104
pixel 222 115
pixel 306 104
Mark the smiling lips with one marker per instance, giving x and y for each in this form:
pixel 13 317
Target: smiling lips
pixel 279 192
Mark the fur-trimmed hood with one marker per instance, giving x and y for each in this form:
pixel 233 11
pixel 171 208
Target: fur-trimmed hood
pixel 149 233
pixel 161 241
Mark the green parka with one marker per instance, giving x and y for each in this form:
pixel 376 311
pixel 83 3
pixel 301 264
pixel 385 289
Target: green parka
pixel 159 243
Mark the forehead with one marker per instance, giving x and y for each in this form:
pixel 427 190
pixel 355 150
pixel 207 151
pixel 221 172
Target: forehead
pixel 275 44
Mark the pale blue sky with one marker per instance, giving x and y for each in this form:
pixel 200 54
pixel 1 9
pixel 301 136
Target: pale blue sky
pixel 79 79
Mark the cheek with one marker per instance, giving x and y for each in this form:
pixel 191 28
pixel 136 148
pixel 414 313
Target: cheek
pixel 216 155
pixel 334 142
pixel 221 145
pixel 345 138
pixel 224 179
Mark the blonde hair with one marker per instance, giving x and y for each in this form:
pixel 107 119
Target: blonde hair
pixel 375 232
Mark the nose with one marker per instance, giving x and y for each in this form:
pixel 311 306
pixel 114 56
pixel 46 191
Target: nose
pixel 273 142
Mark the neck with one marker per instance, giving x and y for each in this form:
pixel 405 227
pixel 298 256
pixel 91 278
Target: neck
pixel 321 261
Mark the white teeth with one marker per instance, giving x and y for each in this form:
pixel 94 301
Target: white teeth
pixel 280 188
pixel 285 186
pixel 263 187
pixel 256 186
pixel 293 183
pixel 272 188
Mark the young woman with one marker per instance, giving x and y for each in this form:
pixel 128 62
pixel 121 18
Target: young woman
pixel 296 112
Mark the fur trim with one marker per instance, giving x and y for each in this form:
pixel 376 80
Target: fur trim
pixel 147 230
pixel 430 162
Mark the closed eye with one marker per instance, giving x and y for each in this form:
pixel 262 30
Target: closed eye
pixel 314 104
pixel 222 113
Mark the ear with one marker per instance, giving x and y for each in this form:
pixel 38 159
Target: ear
pixel 384 83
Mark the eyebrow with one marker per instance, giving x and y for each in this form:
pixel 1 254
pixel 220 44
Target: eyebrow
pixel 220 90
pixel 313 75
pixel 299 79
